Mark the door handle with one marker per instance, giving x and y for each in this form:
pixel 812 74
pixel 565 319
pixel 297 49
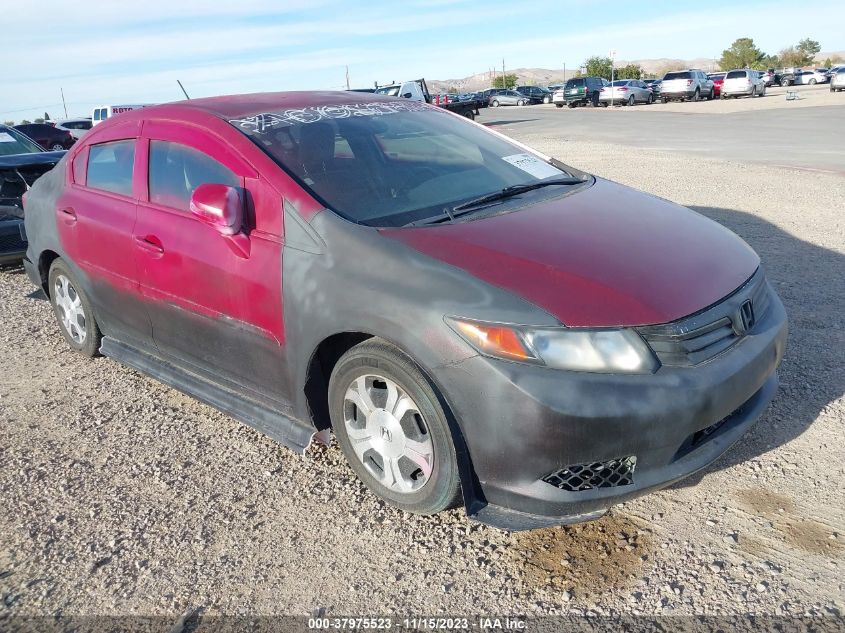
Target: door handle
pixel 149 243
pixel 68 214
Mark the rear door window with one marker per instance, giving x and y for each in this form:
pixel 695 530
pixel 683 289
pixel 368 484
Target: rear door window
pixel 175 171
pixel 110 166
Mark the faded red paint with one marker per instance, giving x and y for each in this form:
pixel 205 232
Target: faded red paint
pixel 606 256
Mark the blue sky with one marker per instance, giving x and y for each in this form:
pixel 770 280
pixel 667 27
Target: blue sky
pixel 111 52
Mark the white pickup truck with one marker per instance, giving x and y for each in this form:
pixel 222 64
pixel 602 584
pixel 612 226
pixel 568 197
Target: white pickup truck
pixel 417 90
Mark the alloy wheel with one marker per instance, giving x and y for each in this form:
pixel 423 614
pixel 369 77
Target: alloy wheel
pixel 388 433
pixel 71 312
pixel 56 147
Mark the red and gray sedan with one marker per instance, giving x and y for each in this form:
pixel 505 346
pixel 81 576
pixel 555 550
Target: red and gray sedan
pixel 476 322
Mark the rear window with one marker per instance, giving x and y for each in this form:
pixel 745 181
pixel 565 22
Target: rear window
pixel 575 83
pixel 736 74
pixel 622 82
pixel 678 75
pixel 110 166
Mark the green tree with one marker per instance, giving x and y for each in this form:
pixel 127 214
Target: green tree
pixel 25 121
pixel 808 49
pixel 791 57
pixel 629 71
pixel 38 120
pixel 9 123
pixel 507 81
pixel 742 54
pixel 598 67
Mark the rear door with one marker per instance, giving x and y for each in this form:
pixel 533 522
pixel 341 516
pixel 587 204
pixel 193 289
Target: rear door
pixel 214 306
pixel 95 216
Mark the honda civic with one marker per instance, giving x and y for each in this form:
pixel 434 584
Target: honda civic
pixel 474 321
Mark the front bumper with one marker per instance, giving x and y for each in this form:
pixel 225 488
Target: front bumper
pixel 526 422
pixel 12 241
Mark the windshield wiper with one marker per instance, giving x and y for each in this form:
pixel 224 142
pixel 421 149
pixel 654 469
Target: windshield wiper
pixel 515 190
pixel 502 194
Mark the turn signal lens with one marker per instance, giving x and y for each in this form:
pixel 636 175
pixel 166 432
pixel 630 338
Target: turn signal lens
pixel 495 340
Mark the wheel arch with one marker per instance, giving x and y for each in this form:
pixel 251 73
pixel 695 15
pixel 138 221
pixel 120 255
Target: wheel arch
pixel 322 362
pixel 45 260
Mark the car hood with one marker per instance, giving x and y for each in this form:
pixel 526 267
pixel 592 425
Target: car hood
pixel 17 174
pixel 601 257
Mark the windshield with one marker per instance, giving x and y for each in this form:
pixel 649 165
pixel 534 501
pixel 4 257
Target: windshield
pixel 389 163
pixel 678 75
pixel 390 91
pixel 13 142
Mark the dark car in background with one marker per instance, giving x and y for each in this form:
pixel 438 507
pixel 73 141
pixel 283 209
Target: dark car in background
pixel 47 136
pixel 580 91
pixel 22 162
pixel 537 94
pixel 654 85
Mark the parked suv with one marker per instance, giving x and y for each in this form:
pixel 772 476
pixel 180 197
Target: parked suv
pixel 743 82
pixel 537 94
pixel 682 85
pixel 48 136
pixel 474 320
pixel 837 80
pixel 580 91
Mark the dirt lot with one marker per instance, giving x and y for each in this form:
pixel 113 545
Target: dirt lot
pixel 121 496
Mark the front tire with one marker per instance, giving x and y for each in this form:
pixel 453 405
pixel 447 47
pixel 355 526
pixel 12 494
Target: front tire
pixel 558 105
pixel 631 100
pixel 812 82
pixel 392 429
pixel 73 311
pixel 696 95
pixel 494 103
pixel 56 147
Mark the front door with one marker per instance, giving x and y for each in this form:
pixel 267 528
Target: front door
pixel 213 307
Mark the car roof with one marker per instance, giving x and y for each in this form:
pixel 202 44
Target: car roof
pixel 235 106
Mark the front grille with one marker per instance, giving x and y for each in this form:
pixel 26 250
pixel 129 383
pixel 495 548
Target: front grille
pixel 698 338
pixel 608 474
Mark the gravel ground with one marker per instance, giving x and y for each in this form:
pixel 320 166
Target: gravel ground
pixel 121 496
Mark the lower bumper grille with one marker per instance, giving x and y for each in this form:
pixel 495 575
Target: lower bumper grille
pixel 608 474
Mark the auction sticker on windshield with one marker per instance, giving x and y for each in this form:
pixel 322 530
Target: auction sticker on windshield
pixel 532 165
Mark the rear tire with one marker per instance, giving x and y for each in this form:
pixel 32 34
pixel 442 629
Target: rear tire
pixel 784 83
pixel 547 100
pixel 812 82
pixel 408 459
pixel 712 95
pixel 631 101
pixel 56 147
pixel 73 311
pixel 696 95
pixel 570 105
pixel 558 105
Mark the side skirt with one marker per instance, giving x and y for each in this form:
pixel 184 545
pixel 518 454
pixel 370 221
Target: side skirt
pixel 292 433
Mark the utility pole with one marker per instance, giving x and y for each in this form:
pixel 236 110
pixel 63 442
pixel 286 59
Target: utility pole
pixel 503 73
pixel 63 100
pixel 347 77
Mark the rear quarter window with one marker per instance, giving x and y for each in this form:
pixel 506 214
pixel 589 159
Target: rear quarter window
pixel 110 166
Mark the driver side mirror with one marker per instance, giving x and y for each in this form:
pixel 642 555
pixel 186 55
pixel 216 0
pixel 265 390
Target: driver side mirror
pixel 219 206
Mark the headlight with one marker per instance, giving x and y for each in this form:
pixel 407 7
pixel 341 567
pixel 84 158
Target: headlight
pixel 605 351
